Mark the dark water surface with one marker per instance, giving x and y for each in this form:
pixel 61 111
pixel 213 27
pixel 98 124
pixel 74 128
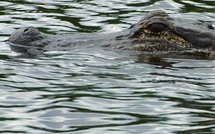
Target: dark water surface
pixel 96 91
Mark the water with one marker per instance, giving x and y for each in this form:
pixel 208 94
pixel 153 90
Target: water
pixel 94 91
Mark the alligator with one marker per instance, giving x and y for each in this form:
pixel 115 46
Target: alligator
pixel 156 32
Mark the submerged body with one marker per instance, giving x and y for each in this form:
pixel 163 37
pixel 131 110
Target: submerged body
pixel 156 32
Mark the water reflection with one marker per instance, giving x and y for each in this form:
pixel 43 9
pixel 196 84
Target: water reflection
pixel 101 91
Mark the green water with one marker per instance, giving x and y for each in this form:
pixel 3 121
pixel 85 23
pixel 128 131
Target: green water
pixel 94 91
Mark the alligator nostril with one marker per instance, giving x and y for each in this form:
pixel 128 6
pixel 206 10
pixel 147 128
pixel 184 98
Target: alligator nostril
pixel 211 26
pixel 26 29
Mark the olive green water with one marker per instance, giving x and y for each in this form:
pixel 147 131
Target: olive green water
pixel 98 91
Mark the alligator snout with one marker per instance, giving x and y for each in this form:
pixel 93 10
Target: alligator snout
pixel 24 35
pixel 20 40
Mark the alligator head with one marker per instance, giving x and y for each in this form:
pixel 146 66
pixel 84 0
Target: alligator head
pixel 157 31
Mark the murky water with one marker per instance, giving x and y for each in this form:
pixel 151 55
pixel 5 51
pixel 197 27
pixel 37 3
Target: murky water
pixel 94 91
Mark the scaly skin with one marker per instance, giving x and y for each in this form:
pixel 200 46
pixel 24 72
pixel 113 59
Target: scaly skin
pixel 156 32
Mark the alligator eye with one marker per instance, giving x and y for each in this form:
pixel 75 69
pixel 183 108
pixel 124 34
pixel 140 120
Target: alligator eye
pixel 157 27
